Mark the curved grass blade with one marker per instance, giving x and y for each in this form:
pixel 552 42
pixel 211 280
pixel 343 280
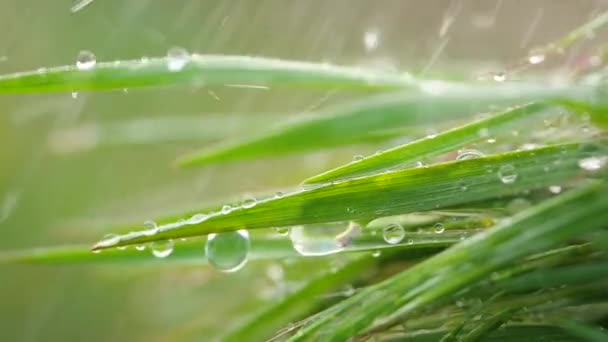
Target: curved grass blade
pixel 404 191
pixel 199 70
pixel 344 125
pixel 531 231
pixel 429 146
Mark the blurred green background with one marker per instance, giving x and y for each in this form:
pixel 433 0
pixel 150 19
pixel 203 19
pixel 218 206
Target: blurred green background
pixel 73 165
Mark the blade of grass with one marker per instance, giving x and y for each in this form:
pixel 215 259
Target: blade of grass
pixel 585 332
pixel 429 146
pixel 533 230
pixel 199 70
pixel 344 125
pixel 421 189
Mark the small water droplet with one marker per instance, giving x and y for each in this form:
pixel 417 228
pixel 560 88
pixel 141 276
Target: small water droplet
pixel 410 242
pixel 419 164
pixel 198 218
pixel 393 233
pixel 592 163
pixel 371 39
pixel 177 58
pixel 491 140
pixel 74 95
pixel 228 252
pixel 283 231
pixel 376 254
pixel 122 248
pixel 150 228
pixel 226 209
pixel 278 194
pixel 536 59
pixel 162 249
pixel 250 202
pixel 507 174
pixel 140 247
pixel 468 154
pixel 358 158
pixel 86 60
pixel 439 228
pixel 555 189
pixel 500 77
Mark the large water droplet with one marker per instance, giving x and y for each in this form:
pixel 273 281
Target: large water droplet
pixel 592 163
pixel 249 202
pixel 468 154
pixel 319 239
pixel 507 174
pixel 162 249
pixel 86 60
pixel 177 58
pixel 393 233
pixel 150 228
pixel 439 228
pixel 228 252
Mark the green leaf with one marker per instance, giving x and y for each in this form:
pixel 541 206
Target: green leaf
pixel 531 231
pixel 585 332
pixel 434 102
pixel 451 184
pixel 429 146
pixel 237 71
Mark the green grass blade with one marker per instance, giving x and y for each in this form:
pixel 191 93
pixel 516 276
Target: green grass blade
pixel 435 102
pixel 199 70
pixel 429 146
pixel 421 189
pixel 585 332
pixel 533 230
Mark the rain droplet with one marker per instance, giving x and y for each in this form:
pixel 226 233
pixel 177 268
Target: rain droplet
pixel 371 39
pixel 439 228
pixel 283 231
pixel 555 189
pixel 198 218
pixel 86 60
pixel 320 239
pixel 536 59
pixel 592 163
pixel 226 209
pixel 228 252
pixel 150 228
pixel 393 233
pixel 358 158
pixel 250 202
pixel 177 58
pixel 468 154
pixel 507 174
pixel 162 249
pixel 140 247
pixel 500 77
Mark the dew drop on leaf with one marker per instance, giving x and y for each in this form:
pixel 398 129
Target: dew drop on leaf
pixel 507 174
pixel 439 228
pixel 393 233
pixel 228 252
pixel 318 239
pixel 499 77
pixel 226 209
pixel 162 249
pixel 555 189
pixel 250 202
pixel 140 247
pixel 592 163
pixel 283 231
pixel 86 60
pixel 198 218
pixel 536 59
pixel 150 228
pixel 468 154
pixel 177 58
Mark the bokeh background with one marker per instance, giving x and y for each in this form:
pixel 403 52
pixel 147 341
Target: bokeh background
pixel 74 165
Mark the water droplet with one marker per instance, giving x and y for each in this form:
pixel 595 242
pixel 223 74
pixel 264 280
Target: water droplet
pixel 278 194
pixel 592 163
pixel 86 60
pixel 74 95
pixel 226 209
pixel 555 189
pixel 468 154
pixel 358 158
pixel 500 77
pixel 109 240
pixel 371 39
pixel 122 248
pixel 150 228
pixel 410 242
pixel 197 218
pixel 140 247
pixel 162 249
pixel 228 252
pixel 491 140
pixel 507 174
pixel 419 164
pixel 319 239
pixel 393 233
pixel 283 231
pixel 536 59
pixel 376 254
pixel 439 228
pixel 250 202
pixel 177 58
